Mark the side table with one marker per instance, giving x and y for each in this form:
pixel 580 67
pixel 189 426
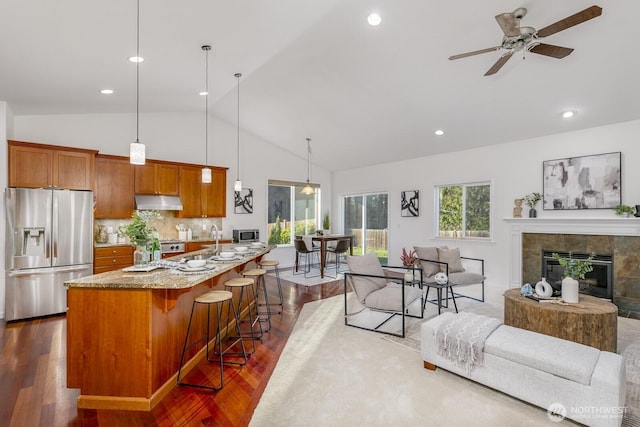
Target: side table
pixel 592 321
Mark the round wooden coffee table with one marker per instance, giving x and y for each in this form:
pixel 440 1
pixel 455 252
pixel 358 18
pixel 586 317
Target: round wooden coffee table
pixel 592 321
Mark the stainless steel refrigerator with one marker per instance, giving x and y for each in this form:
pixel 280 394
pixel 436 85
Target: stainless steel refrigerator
pixel 49 240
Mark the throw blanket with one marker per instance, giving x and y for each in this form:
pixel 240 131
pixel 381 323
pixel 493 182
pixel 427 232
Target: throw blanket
pixel 461 340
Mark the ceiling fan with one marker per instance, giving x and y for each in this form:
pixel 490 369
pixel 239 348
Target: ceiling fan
pixel 517 38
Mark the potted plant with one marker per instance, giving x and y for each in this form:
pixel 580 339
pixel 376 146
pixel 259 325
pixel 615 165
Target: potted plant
pixel 624 211
pixel 574 269
pixel 140 234
pixel 532 200
pixel 326 223
pixel 410 260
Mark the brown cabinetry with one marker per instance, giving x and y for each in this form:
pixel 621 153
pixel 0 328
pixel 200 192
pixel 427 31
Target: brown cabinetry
pixel 202 200
pixel 114 187
pixel 37 165
pixel 156 177
pixel 196 246
pixel 112 258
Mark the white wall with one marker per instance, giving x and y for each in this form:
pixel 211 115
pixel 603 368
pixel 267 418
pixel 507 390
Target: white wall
pixel 515 170
pixel 6 129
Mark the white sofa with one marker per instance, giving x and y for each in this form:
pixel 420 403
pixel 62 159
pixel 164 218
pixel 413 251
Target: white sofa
pixel 542 370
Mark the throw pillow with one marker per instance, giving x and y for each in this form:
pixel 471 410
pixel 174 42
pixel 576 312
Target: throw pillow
pixel 429 253
pixel 451 257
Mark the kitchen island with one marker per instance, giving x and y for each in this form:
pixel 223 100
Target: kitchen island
pixel 125 330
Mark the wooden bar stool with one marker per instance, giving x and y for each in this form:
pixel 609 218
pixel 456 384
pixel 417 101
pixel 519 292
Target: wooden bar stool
pixel 273 263
pixel 245 287
pixel 258 274
pixel 216 299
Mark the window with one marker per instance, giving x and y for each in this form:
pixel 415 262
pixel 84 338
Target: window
pixel 290 212
pixel 464 211
pixel 366 217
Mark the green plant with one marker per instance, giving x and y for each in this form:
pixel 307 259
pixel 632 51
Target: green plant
pixel 624 209
pixel 140 233
pixel 532 199
pixel 325 221
pixel 574 268
pixel 409 259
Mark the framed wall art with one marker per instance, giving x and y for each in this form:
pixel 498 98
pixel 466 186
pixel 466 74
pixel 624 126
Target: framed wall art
pixel 586 182
pixel 243 201
pixel 410 203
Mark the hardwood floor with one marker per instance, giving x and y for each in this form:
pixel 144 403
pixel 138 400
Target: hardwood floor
pixel 33 375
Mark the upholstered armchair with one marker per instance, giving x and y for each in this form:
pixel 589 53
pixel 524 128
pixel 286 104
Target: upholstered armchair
pixel 461 271
pixel 378 296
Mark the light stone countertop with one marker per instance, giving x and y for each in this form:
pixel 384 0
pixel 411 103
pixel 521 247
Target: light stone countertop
pixel 163 278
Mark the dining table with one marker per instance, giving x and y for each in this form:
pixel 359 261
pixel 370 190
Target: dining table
pixel 323 239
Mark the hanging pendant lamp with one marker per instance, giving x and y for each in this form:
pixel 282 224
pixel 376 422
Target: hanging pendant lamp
pixel 308 189
pixel 206 171
pixel 237 186
pixel 137 153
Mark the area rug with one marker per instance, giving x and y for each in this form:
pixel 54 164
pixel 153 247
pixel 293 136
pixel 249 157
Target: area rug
pixel 299 278
pixel 330 374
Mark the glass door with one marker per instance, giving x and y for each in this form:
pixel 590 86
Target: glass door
pixel 366 217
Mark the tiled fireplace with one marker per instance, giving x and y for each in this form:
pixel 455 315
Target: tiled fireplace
pixel 619 238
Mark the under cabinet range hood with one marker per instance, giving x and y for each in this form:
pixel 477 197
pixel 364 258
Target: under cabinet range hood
pixel 158 202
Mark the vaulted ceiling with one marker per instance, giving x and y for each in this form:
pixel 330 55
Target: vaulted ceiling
pixel 315 68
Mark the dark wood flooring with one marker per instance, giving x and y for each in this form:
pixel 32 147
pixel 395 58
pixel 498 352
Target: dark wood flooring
pixel 33 375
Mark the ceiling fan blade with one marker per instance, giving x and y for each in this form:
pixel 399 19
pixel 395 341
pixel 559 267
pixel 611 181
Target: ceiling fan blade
pixel 570 21
pixel 557 52
pixel 475 52
pixel 496 67
pixel 509 24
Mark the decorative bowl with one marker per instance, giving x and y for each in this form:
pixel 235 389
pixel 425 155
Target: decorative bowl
pixel 241 248
pixel 195 263
pixel 226 254
pixel 256 244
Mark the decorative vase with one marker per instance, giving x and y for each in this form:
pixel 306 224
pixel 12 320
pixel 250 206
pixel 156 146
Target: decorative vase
pixel 408 277
pixel 140 256
pixel 570 290
pixel 101 235
pixel 533 213
pixel 543 288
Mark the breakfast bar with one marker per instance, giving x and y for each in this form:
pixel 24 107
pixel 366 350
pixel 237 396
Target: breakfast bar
pixel 125 330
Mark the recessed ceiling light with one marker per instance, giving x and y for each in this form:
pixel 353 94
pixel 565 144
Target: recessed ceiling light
pixel 106 91
pixel 439 132
pixel 569 114
pixel 203 93
pixel 374 19
pixel 136 59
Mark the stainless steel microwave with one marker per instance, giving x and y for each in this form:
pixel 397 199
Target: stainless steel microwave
pixel 246 235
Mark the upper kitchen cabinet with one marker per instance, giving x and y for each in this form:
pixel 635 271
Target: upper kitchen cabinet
pixel 202 200
pixel 114 187
pixel 156 177
pixel 43 166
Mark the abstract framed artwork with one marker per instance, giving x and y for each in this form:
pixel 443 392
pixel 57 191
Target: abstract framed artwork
pixel 410 203
pixel 586 182
pixel 243 201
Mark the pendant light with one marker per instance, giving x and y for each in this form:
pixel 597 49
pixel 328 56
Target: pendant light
pixel 137 149
pixel 206 171
pixel 237 186
pixel 308 189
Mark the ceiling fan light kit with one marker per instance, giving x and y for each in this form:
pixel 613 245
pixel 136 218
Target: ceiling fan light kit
pixel 517 38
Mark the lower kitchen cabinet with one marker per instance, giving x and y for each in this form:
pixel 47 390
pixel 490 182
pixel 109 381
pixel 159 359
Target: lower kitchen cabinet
pixel 112 258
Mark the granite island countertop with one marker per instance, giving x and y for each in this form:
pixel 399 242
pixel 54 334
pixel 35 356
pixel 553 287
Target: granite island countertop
pixel 165 278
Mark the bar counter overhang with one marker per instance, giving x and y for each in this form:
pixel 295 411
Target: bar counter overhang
pixel 125 332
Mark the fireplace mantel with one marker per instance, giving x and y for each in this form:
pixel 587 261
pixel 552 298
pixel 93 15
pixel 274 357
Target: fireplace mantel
pixel 598 226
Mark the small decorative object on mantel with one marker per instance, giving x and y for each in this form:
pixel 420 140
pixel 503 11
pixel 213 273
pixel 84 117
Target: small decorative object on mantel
pixel 517 209
pixel 543 288
pixel 574 269
pixel 624 211
pixel 532 200
pixel 526 289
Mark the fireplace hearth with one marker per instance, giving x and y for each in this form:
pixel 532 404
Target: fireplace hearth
pixel 598 283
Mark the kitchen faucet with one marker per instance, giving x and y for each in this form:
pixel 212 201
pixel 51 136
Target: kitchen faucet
pixel 217 235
